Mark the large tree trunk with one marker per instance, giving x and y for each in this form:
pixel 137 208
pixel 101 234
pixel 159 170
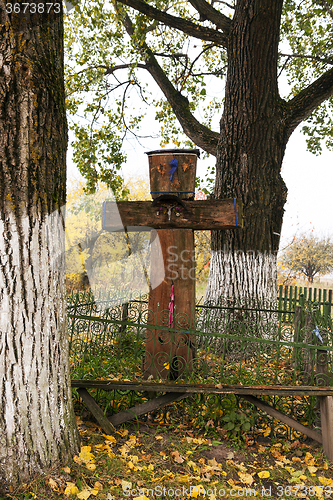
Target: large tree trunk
pixel 250 153
pixel 37 423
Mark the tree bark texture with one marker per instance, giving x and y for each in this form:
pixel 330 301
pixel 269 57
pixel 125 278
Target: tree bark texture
pixel 37 423
pixel 250 152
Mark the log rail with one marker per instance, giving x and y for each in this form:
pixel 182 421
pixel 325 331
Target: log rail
pixel 176 392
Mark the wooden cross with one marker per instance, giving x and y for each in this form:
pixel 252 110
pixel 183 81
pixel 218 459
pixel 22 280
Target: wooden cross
pixel 175 215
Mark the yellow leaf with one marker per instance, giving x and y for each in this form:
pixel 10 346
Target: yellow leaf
pixel 246 478
pixel 184 478
pixel 213 463
pixel 71 489
pixel 150 468
pixel 158 438
pixel 91 466
pixel 110 438
pixel 122 433
pixel 264 474
pixel 124 450
pixel 302 477
pixel 126 485
pixel 84 494
pixel 194 466
pixel 86 455
pixel 196 491
pixel 100 446
pixel 66 469
pixel 51 482
pixel 325 481
pixel 308 459
pixel 289 469
pixel 318 491
pixel 312 469
pixel 141 498
pixel 98 486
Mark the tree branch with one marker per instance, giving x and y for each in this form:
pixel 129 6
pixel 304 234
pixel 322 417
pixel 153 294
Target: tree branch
pixel 224 3
pixel 326 6
pixel 206 11
pixel 191 29
pixel 112 69
pixel 202 136
pixel 304 103
pixel 313 58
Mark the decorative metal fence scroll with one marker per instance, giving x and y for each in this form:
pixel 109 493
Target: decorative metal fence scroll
pixel 231 345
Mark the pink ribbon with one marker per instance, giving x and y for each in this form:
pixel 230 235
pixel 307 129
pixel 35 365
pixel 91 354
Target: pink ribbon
pixel 171 304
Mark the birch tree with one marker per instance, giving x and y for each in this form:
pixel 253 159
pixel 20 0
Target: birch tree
pixel 37 423
pixel 186 47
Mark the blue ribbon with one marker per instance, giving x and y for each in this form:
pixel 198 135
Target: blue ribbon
pixel 235 211
pixel 174 165
pixel 317 333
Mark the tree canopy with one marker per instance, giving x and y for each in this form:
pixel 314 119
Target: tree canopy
pixel 235 78
pixel 115 50
pixel 310 256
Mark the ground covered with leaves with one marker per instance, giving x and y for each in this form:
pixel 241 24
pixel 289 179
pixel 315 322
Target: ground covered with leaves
pixel 148 461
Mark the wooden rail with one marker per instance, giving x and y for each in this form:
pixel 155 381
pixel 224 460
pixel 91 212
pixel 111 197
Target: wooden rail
pixel 279 390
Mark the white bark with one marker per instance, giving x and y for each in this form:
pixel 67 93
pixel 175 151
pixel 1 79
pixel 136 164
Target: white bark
pixel 37 423
pixel 241 278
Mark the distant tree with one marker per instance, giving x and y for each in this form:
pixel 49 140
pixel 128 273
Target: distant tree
pixel 93 256
pixel 139 189
pixel 309 255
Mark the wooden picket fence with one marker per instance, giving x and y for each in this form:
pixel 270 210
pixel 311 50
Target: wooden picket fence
pixel 291 296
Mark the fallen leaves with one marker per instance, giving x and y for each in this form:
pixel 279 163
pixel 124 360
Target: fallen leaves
pixel 177 458
pixel 246 478
pixel 264 474
pixel 71 489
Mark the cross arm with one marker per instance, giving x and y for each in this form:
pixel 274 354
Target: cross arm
pixel 197 215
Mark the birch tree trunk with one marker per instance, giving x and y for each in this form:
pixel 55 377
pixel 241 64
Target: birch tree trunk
pixel 37 422
pixel 249 159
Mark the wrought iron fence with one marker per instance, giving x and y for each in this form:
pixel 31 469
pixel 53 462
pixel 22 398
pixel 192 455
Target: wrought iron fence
pixel 214 345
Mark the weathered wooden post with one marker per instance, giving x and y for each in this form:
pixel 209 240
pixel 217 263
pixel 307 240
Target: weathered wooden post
pixel 172 179
pixel 175 215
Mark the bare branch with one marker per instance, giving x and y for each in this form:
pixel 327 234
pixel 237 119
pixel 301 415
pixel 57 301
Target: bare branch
pixel 191 29
pixel 304 56
pixel 193 63
pixel 207 11
pixel 202 136
pixel 306 101
pixel 224 3
pixel 111 69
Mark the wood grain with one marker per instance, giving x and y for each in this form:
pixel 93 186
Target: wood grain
pixel 198 215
